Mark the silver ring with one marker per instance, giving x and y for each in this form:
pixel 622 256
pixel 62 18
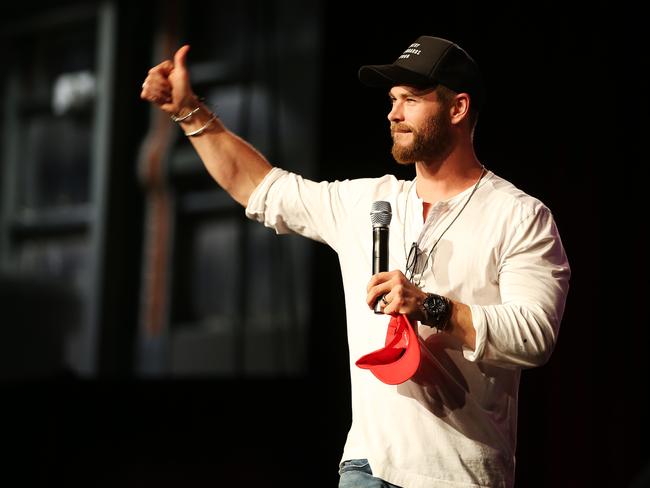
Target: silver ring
pixel 383 299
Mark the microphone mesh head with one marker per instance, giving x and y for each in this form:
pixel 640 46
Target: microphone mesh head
pixel 380 214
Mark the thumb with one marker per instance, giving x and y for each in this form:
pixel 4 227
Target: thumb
pixel 180 57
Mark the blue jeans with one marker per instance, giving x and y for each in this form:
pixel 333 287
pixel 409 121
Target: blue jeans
pixel 356 473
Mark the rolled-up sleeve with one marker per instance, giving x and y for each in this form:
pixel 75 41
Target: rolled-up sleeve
pixel 533 277
pixel 289 203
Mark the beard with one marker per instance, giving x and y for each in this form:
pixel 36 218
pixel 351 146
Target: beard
pixel 431 142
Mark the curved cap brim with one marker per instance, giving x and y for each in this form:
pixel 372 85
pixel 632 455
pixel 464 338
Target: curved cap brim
pixel 388 75
pixel 399 359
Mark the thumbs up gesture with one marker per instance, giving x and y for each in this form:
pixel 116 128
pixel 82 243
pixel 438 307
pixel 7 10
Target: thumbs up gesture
pixel 168 84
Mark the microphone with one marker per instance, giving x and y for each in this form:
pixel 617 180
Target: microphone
pixel 380 216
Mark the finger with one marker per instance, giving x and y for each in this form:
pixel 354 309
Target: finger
pixel 405 300
pixel 157 79
pixel 180 57
pixel 394 305
pixel 150 92
pixel 375 292
pixel 180 77
pixel 388 309
pixel 379 278
pixel 155 96
pixel 156 86
pixel 163 68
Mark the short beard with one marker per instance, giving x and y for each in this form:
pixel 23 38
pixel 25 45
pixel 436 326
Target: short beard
pixel 432 143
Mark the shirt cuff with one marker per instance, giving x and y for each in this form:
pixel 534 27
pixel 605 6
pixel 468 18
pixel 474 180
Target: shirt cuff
pixel 479 321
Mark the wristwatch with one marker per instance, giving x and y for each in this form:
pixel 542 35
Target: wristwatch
pixel 437 311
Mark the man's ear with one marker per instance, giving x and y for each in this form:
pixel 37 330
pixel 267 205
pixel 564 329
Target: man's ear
pixel 459 109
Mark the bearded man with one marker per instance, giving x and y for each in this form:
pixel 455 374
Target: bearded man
pixel 477 279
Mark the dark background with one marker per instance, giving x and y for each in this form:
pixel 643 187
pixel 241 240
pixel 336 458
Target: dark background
pixel 565 120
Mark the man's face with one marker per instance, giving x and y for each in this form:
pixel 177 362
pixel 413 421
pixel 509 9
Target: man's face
pixel 419 125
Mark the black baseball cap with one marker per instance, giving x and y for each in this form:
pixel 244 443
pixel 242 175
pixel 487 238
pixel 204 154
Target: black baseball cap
pixel 427 62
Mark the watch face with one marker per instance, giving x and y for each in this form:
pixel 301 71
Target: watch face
pixel 436 305
pixel 437 309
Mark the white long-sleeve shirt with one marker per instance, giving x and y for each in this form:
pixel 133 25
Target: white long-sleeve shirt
pixel 454 423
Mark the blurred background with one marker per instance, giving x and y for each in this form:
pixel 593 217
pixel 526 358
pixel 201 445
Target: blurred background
pixel 151 336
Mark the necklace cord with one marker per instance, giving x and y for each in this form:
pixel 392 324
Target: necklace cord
pixel 414 245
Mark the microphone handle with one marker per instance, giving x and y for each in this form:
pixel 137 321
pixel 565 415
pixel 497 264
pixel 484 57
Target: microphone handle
pixel 379 256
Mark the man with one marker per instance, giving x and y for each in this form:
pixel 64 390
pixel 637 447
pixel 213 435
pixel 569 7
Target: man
pixel 476 265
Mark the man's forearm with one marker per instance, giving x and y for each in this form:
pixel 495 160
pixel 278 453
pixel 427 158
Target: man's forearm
pixel 233 163
pixel 461 325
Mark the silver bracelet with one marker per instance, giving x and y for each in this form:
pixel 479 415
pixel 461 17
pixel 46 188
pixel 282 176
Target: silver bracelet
pixel 200 130
pixel 186 116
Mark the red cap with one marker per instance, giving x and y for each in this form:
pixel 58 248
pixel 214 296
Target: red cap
pixel 399 359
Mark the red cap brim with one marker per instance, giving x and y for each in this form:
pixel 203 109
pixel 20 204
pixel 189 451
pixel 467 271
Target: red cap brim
pixel 399 359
